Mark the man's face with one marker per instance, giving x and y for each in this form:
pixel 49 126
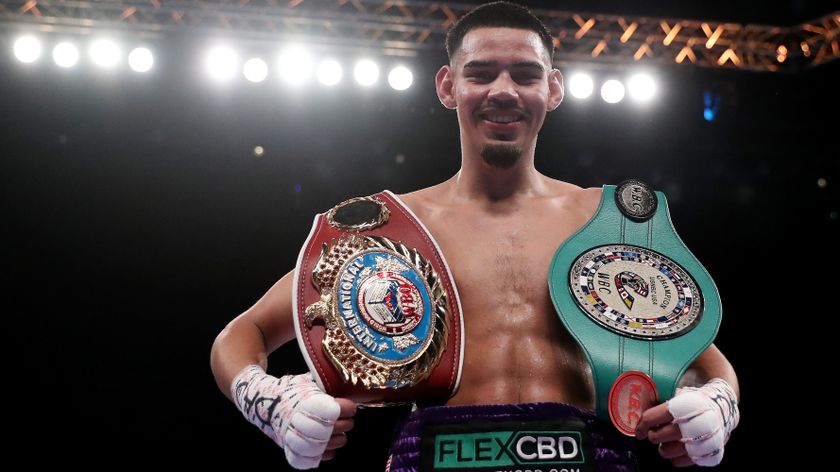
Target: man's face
pixel 502 85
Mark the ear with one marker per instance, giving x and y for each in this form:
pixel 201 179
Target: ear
pixel 445 87
pixel 555 90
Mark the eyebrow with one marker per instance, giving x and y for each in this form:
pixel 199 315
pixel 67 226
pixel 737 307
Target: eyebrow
pixel 522 64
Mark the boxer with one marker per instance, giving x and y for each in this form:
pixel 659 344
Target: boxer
pixel 498 222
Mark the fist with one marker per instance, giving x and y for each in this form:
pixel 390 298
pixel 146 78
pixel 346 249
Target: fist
pixel 292 410
pixel 694 426
pixel 315 430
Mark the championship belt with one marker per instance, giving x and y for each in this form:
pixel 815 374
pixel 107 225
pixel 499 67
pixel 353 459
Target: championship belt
pixel 377 314
pixel 636 300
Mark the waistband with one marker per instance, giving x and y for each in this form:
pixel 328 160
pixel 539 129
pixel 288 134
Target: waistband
pixel 509 438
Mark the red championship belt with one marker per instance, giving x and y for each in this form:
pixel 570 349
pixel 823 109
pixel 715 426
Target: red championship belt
pixel 377 314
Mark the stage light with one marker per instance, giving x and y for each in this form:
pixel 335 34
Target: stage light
pixel 295 65
pixel 255 70
pixel 27 49
pixel 140 60
pixel 366 72
pixel 221 63
pixel 104 53
pixel 329 72
pixel 400 78
pixel 711 105
pixel 65 54
pixel 612 91
pixel 641 87
pixel 581 85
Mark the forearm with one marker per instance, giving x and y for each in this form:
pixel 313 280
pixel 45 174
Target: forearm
pixel 709 365
pixel 241 343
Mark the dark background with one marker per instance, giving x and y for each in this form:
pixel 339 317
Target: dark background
pixel 138 222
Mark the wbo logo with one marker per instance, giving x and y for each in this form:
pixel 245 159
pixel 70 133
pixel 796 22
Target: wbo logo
pixel 508 448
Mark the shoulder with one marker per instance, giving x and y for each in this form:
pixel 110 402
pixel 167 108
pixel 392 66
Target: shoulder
pixel 423 201
pixel 589 199
pixel 584 199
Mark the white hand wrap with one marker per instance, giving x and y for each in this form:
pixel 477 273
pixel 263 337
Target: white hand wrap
pixel 706 416
pixel 291 410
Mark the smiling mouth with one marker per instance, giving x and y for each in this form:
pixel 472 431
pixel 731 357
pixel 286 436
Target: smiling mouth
pixel 501 119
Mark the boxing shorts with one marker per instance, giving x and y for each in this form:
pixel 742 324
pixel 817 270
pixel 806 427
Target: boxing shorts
pixel 545 437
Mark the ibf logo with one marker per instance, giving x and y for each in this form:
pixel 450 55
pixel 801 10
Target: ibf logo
pixel 508 448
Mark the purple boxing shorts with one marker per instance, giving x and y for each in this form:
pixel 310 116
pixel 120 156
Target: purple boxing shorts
pixel 544 437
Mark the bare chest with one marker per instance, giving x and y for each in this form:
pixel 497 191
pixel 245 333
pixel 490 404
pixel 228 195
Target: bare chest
pixel 516 349
pixel 500 264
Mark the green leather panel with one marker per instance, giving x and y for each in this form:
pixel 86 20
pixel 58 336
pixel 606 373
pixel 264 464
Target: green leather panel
pixel 611 354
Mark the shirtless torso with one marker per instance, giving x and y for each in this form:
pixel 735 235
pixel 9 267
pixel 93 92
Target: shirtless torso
pixel 516 348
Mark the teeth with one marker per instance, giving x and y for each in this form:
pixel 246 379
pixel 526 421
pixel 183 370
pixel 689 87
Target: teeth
pixel 503 119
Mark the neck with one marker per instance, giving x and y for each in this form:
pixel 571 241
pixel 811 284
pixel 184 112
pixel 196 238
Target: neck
pixel 478 180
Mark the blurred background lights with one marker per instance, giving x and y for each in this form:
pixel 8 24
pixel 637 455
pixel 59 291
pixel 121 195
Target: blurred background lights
pixel 711 105
pixel 65 54
pixel 140 60
pixel 221 63
pixel 400 78
pixel 366 72
pixel 612 91
pixel 295 65
pixel 104 53
pixel 255 70
pixel 259 151
pixel 329 72
pixel 27 49
pixel 581 85
pixel 641 87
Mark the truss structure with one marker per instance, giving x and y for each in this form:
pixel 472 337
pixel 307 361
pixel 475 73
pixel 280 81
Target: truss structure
pixel 406 27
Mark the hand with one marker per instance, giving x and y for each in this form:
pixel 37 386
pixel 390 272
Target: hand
pixel 692 427
pixel 306 422
pixel 342 425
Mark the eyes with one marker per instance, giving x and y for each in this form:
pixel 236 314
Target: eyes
pixel 524 78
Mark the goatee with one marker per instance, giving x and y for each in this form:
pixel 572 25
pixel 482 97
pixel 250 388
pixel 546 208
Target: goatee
pixel 503 156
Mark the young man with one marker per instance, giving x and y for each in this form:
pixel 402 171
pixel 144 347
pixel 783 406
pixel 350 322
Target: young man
pixel 498 222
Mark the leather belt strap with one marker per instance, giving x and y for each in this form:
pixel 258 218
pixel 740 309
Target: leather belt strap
pixel 377 314
pixel 635 299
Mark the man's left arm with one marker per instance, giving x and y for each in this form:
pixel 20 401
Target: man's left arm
pixel 693 427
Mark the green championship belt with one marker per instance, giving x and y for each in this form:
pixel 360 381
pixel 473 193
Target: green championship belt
pixel 637 301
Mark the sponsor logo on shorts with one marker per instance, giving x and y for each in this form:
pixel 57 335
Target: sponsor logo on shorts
pixel 510 451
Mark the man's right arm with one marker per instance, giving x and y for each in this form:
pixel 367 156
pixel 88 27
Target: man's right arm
pixel 292 410
pixel 254 334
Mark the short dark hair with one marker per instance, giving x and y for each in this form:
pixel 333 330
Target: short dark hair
pixel 498 14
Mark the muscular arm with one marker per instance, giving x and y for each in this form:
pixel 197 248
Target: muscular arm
pixel 710 364
pixel 254 334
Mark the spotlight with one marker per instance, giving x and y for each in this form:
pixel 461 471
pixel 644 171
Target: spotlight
pixel 329 72
pixel 366 72
pixel 581 85
pixel 221 63
pixel 612 91
pixel 104 53
pixel 295 65
pixel 27 49
pixel 400 78
pixel 140 60
pixel 255 70
pixel 65 55
pixel 641 87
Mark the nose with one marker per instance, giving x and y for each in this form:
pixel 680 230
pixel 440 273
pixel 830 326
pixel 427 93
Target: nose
pixel 503 90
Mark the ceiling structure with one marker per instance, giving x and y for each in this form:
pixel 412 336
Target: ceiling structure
pixel 404 27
